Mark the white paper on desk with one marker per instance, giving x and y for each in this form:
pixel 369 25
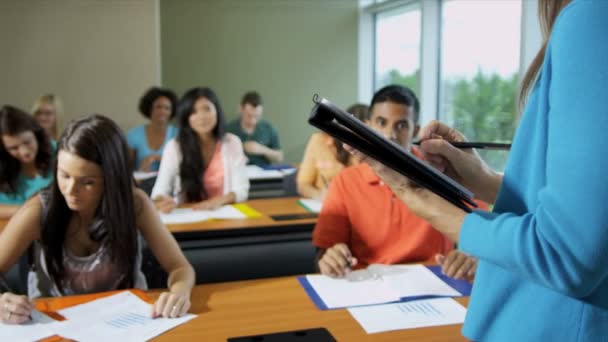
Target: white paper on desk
pixel 184 215
pixel 341 293
pixel 408 315
pixel 256 172
pixel 311 204
pixel 120 317
pixel 140 175
pixel 187 215
pixel 413 280
pixel 39 327
pixel 387 283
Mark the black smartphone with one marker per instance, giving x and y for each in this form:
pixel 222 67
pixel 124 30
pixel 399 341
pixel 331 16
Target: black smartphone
pixel 305 335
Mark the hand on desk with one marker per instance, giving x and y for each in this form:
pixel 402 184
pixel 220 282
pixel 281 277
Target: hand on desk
pixel 457 265
pixel 171 305
pixel 164 204
pixel 337 261
pixel 210 204
pixel 15 309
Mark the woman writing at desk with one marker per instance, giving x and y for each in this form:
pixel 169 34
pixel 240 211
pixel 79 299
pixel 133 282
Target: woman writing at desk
pixel 542 262
pixel 26 158
pixel 86 228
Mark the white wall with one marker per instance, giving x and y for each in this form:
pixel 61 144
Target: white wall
pixel 99 56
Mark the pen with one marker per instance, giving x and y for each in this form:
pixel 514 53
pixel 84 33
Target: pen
pixel 479 145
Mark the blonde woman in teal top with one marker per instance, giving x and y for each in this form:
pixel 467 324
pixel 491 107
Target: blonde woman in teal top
pixel 26 155
pixel 543 267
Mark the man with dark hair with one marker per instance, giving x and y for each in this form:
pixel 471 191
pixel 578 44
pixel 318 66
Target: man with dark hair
pixel 362 222
pixel 260 139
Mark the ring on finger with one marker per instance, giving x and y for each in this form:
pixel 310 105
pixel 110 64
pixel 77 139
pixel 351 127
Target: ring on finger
pixel 8 315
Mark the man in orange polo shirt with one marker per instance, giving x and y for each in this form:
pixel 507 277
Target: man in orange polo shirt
pixel 362 222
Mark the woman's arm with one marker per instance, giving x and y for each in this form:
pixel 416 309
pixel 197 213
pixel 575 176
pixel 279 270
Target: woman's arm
pixel 176 301
pixel 7 210
pixel 19 233
pixel 307 172
pixel 236 175
pixel 168 172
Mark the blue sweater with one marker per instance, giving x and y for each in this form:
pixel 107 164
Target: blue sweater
pixel 543 270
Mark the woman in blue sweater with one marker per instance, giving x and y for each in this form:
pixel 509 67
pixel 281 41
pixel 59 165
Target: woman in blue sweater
pixel 543 266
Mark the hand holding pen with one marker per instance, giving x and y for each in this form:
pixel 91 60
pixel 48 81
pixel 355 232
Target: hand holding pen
pixel 14 309
pixel 464 165
pixel 337 261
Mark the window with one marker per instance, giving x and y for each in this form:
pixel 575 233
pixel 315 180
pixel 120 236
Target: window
pixel 480 54
pixel 397 52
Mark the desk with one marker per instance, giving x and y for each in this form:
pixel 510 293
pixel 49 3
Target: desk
pixel 279 304
pixel 227 250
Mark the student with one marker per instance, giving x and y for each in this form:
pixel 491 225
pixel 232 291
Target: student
pixel 146 142
pixel 323 158
pixel 260 139
pixel 361 221
pixel 203 165
pixel 47 111
pixel 543 266
pixel 86 228
pixel 26 156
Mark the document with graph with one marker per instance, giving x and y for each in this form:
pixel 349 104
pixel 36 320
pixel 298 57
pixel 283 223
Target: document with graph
pixel 121 317
pixel 409 315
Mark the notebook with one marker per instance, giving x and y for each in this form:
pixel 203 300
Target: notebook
pixel 341 125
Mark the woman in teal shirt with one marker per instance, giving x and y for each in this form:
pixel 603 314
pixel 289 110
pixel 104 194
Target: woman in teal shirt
pixel 543 267
pixel 26 156
pixel 146 142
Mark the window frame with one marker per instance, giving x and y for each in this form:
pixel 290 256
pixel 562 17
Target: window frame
pixel 430 52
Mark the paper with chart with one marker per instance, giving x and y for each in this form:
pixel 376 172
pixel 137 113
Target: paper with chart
pixel 187 215
pixel 120 317
pixel 408 315
pixel 39 327
pixel 379 284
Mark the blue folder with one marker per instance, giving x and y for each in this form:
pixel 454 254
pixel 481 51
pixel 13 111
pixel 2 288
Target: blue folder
pixel 462 286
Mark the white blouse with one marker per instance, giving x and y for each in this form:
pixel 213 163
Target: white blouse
pixel 168 181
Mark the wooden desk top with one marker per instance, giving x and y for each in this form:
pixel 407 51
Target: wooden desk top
pixel 267 207
pixel 279 304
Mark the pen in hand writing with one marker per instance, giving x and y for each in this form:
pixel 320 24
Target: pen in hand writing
pixel 6 287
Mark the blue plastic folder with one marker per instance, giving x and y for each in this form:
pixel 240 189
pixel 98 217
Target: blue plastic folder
pixel 462 286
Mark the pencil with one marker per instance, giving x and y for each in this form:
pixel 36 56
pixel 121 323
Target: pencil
pixel 479 145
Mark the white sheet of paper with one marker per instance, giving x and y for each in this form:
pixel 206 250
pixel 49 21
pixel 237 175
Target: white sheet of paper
pixel 341 293
pixel 408 315
pixel 184 215
pixel 256 172
pixel 140 175
pixel 311 204
pixel 379 284
pixel 187 215
pixel 227 212
pixel 120 317
pixel 39 327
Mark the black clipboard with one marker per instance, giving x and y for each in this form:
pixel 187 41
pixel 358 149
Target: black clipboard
pixel 341 125
pixel 305 335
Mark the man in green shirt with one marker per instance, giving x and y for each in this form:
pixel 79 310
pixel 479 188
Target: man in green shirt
pixel 260 139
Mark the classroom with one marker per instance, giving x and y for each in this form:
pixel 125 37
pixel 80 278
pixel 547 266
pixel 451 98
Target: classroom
pixel 303 170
